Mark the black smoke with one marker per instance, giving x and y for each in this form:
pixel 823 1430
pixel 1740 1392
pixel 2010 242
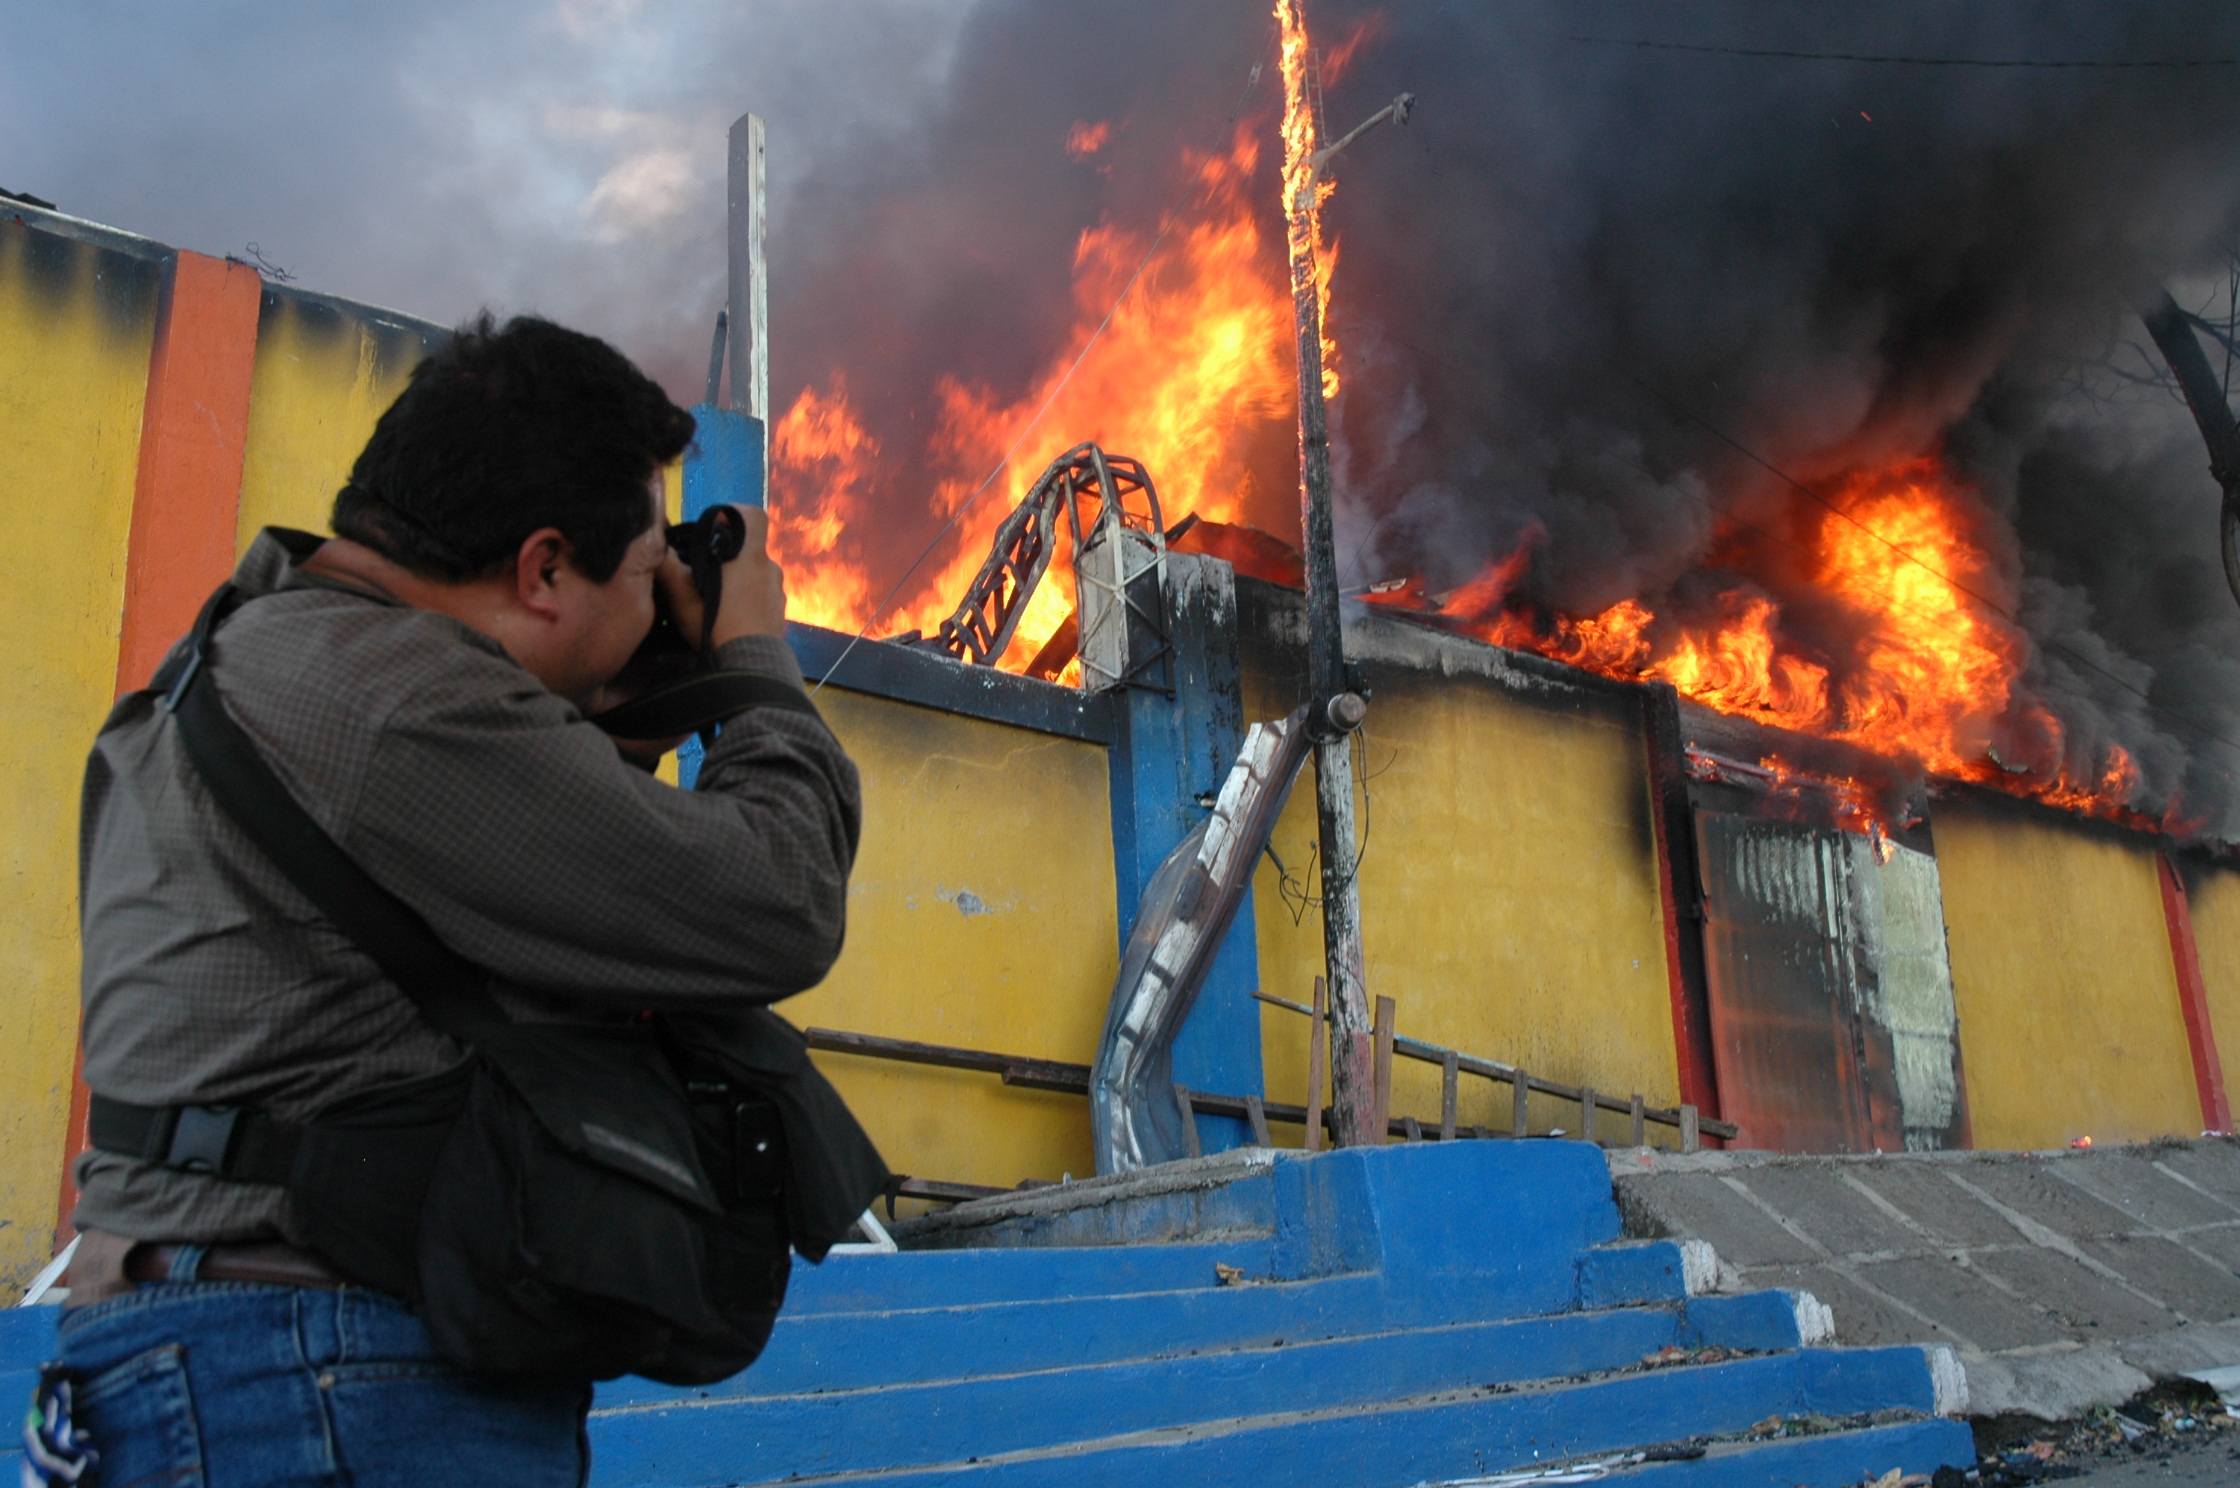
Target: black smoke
pixel 1571 254
pixel 1581 255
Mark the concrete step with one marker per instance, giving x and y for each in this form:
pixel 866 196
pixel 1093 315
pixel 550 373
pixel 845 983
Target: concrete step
pixel 860 1282
pixel 818 1346
pixel 1838 1458
pixel 814 1428
pixel 1457 1431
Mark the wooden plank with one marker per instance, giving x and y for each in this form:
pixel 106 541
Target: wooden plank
pixel 1637 1131
pixel 1587 1105
pixel 1047 1074
pixel 1256 1113
pixel 1188 1107
pixel 1520 1124
pixel 1450 1071
pixel 1689 1140
pixel 939 1193
pixel 1380 1115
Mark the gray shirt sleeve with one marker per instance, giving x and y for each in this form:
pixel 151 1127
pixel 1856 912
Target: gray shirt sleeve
pixel 535 850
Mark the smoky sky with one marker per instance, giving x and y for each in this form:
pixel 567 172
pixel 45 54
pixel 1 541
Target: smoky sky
pixel 1570 261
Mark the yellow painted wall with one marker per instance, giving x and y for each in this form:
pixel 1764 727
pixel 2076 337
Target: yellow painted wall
pixel 1509 900
pixel 76 324
pixel 981 914
pixel 2069 1016
pixel 2214 893
pixel 325 372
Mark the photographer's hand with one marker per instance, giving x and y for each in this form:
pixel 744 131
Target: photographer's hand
pixel 754 588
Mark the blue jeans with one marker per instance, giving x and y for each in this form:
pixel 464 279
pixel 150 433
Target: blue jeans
pixel 225 1384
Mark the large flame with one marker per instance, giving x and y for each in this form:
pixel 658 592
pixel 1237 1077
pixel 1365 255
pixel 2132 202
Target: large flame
pixel 1192 369
pixel 1180 352
pixel 1932 674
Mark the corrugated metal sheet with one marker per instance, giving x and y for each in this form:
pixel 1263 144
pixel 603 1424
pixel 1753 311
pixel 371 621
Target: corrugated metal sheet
pixel 1831 1001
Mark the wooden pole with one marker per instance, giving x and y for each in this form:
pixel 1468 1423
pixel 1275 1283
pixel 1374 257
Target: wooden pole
pixel 1318 1064
pixel 1189 1112
pixel 1586 1114
pixel 1450 1082
pixel 749 340
pixel 1520 1098
pixel 1380 1114
pixel 1352 1080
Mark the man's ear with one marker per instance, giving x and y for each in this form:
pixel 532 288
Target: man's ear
pixel 536 572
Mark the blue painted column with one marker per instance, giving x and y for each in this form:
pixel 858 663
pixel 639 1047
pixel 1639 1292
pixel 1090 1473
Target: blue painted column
pixel 1167 766
pixel 725 463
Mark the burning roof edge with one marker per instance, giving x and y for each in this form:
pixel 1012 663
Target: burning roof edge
pixel 1275 615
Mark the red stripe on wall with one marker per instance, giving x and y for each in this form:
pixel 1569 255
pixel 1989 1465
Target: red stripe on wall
pixel 2193 999
pixel 194 428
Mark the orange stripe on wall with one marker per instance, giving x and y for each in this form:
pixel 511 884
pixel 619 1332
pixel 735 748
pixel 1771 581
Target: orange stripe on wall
pixel 2193 999
pixel 191 442
pixel 194 428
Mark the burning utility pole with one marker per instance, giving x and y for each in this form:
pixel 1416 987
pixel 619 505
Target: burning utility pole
pixel 1334 709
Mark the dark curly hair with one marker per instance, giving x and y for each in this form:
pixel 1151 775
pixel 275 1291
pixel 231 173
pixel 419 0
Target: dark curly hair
pixel 501 432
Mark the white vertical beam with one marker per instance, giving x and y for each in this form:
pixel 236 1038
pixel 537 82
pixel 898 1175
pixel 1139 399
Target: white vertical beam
pixel 749 352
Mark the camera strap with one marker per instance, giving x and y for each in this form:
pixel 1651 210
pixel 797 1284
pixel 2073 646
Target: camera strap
pixel 449 991
pixel 693 702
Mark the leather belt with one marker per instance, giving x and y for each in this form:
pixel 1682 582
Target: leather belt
pixel 272 1263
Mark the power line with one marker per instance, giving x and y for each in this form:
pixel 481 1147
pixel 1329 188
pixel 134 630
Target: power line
pixel 1902 61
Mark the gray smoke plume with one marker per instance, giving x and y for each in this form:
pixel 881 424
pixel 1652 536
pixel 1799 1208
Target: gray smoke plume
pixel 1573 251
pixel 1585 254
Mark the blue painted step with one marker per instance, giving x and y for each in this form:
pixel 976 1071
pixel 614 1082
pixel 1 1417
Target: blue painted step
pixel 812 1349
pixel 1458 1432
pixel 1842 1458
pixel 764 1436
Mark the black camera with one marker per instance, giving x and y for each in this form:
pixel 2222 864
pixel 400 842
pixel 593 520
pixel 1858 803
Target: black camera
pixel 666 658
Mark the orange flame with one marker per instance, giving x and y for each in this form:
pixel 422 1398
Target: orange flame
pixel 1192 375
pixel 1934 674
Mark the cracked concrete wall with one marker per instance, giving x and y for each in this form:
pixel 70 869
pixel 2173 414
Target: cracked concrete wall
pixel 2061 1279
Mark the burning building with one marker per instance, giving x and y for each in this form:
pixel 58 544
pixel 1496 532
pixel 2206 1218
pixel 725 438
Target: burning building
pixel 1794 697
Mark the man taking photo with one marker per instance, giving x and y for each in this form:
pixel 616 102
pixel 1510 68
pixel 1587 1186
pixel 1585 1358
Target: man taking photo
pixel 420 684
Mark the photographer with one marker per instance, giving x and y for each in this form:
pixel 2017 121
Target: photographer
pixel 420 684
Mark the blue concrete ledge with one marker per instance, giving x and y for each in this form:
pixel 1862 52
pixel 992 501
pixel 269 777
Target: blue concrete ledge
pixel 1835 1461
pixel 828 1428
pixel 1464 1431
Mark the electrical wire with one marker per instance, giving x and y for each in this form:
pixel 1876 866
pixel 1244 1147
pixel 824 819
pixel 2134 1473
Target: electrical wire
pixel 1795 56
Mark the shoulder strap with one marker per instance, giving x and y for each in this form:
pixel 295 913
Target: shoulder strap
pixel 449 991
